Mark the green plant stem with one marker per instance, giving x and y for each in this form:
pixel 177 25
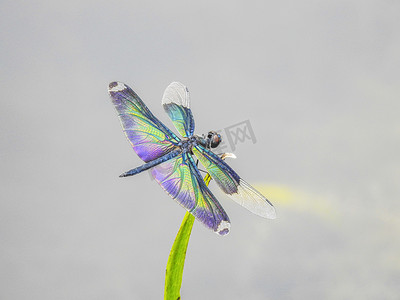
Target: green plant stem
pixel 176 260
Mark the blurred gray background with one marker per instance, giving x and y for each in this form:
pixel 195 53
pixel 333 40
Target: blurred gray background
pixel 319 83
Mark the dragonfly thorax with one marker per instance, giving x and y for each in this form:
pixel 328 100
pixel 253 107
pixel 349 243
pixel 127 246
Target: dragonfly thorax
pixel 188 143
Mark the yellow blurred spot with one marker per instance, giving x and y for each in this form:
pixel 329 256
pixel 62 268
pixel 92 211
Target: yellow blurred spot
pixel 298 200
pixel 279 193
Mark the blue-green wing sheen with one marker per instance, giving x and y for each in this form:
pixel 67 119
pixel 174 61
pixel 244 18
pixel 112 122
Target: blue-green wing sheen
pixel 176 103
pixel 180 178
pixel 234 186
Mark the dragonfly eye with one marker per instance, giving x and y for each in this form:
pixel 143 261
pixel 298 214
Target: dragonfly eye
pixel 215 139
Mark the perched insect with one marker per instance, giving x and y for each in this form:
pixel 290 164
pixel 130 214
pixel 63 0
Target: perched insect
pixel 171 160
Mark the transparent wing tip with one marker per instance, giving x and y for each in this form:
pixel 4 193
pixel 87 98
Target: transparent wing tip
pixel 178 85
pixel 223 228
pixel 177 93
pixel 116 86
pixel 265 212
pixel 271 214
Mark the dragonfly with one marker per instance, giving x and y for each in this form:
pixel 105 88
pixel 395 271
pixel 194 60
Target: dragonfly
pixel 173 160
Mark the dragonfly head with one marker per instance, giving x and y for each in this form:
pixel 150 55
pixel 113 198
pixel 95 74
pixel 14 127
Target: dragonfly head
pixel 213 139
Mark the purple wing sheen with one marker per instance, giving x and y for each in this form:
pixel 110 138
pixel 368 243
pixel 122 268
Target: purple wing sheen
pixel 149 137
pixel 234 186
pixel 180 178
pixel 176 103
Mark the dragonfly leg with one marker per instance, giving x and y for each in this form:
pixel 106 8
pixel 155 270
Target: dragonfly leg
pixel 197 165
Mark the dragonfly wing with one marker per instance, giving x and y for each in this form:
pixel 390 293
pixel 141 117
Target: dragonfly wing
pixel 234 186
pixel 149 137
pixel 176 103
pixel 180 178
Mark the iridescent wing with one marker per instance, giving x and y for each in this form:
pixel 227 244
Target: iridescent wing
pixel 180 178
pixel 234 186
pixel 176 103
pixel 149 137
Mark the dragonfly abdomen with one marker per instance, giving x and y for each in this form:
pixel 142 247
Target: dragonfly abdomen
pixel 152 163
